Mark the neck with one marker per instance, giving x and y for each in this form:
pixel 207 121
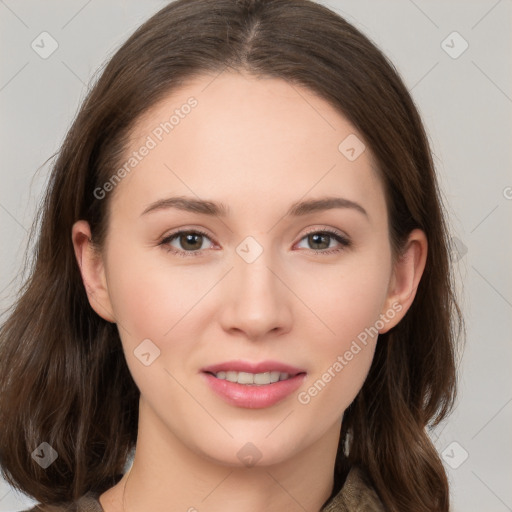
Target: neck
pixel 166 474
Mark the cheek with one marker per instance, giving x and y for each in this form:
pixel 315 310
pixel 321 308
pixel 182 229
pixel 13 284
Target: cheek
pixel 348 298
pixel 341 359
pixel 156 302
pixel 150 295
pixel 349 302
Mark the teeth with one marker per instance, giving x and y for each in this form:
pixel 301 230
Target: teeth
pixel 257 379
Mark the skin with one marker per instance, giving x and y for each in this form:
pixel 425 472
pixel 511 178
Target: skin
pixel 257 145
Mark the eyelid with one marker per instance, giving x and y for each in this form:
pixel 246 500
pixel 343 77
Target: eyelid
pixel 327 229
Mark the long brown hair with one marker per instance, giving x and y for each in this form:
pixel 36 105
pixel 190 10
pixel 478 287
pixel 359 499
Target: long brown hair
pixel 63 375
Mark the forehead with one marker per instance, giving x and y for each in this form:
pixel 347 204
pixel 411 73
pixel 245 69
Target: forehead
pixel 257 139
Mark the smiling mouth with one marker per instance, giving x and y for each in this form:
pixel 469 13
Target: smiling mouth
pixel 254 379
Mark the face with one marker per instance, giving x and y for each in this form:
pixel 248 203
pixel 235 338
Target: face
pixel 258 286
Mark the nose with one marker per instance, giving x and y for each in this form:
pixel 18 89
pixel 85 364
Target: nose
pixel 256 303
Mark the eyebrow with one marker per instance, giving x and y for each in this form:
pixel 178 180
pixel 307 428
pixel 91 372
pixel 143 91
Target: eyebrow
pixel 212 208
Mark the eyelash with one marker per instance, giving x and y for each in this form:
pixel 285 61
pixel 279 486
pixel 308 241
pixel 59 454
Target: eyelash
pixel 345 242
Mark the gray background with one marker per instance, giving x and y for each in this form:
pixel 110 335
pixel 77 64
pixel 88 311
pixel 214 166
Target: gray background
pixel 466 104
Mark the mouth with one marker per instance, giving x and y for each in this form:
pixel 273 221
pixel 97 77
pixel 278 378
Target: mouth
pixel 253 379
pixel 253 385
pixel 256 374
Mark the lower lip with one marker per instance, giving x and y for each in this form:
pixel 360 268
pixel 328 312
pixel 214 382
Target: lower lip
pixel 251 396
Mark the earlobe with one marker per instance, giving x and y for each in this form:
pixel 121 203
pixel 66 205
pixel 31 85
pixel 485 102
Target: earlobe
pixel 405 278
pixel 92 270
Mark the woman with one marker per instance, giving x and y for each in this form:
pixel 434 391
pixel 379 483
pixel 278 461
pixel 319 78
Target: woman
pixel 242 274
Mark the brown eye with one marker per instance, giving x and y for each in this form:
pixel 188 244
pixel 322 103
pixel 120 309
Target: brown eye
pixel 320 241
pixel 190 243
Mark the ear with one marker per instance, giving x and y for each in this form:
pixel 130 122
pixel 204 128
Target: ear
pixel 405 279
pixel 92 270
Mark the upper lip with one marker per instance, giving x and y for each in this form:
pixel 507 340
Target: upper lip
pixel 247 366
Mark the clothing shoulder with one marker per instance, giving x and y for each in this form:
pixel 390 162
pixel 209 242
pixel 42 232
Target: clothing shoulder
pixel 356 495
pixel 87 503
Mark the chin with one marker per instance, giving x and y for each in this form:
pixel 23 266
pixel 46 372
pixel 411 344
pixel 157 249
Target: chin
pixel 248 450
